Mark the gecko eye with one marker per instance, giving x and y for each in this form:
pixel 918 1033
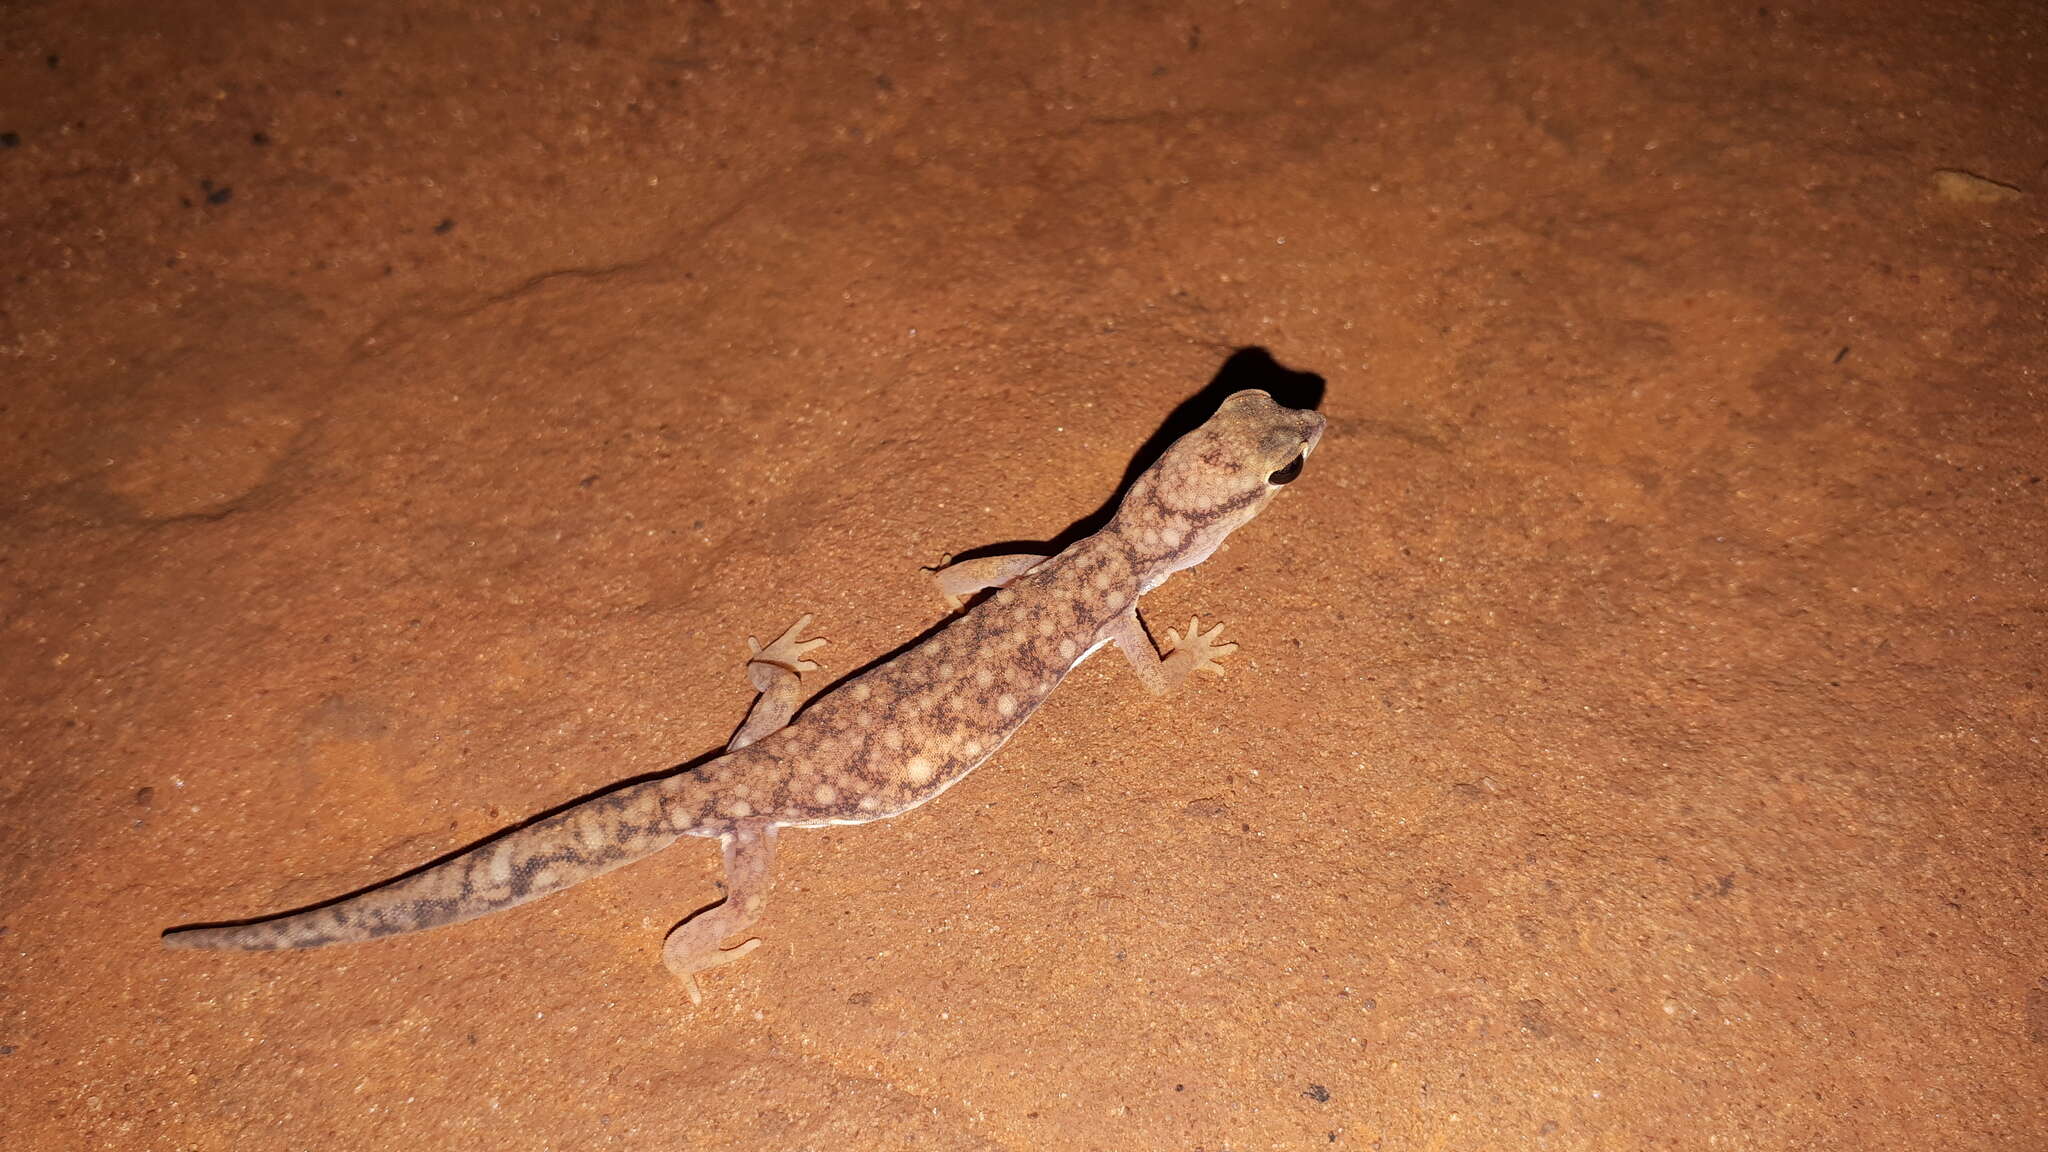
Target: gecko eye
pixel 1286 475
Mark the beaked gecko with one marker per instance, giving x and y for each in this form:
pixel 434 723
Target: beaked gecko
pixel 880 743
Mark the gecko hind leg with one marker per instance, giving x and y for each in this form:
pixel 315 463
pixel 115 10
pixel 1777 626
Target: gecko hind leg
pixel 776 671
pixel 693 946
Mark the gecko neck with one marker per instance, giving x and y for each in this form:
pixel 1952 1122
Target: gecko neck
pixel 1158 541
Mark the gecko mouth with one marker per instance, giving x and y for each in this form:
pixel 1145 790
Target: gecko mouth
pixel 1309 439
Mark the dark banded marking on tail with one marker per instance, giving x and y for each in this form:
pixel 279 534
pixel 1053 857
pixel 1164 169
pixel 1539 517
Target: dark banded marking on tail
pixel 551 854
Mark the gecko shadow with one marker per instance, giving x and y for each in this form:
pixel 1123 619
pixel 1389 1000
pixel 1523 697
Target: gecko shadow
pixel 1248 367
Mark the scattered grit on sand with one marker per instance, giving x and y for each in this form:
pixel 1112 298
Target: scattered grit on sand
pixel 1636 735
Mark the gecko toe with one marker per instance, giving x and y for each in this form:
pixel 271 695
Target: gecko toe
pixel 787 651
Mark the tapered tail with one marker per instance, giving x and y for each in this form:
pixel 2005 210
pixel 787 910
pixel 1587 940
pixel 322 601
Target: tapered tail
pixel 524 864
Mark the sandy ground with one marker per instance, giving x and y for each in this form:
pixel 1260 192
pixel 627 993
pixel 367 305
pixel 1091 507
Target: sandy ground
pixel 1636 738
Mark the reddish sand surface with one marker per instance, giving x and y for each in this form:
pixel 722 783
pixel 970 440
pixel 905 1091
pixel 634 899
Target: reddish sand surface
pixel 1636 736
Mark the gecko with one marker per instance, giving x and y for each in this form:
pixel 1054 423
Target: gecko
pixel 879 743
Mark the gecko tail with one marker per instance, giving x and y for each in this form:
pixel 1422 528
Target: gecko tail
pixel 548 855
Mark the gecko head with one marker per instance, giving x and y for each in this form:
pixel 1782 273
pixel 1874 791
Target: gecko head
pixel 1213 480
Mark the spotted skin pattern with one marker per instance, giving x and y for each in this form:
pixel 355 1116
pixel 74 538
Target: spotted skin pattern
pixel 878 744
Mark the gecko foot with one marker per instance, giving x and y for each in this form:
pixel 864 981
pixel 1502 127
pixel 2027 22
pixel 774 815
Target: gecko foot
pixel 1199 649
pixel 787 651
pixel 686 965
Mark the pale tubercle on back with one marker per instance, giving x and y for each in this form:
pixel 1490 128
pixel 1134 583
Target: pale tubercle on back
pixel 883 741
pixel 902 733
pixel 1211 482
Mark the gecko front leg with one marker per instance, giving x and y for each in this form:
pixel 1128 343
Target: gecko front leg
pixel 692 947
pixel 1184 655
pixel 959 581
